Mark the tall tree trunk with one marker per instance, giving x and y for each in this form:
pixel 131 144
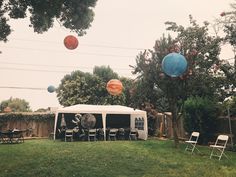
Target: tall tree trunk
pixel 174 112
pixel 234 50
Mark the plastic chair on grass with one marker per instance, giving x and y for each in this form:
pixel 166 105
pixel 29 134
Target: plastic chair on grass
pixel 219 146
pixel 121 134
pixel 192 142
pixel 133 134
pixel 69 134
pixel 112 134
pixel 92 133
pixel 101 134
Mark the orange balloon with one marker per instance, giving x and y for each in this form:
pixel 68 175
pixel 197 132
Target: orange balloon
pixel 71 42
pixel 114 87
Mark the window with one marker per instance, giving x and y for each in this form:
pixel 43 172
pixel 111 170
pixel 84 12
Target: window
pixel 139 123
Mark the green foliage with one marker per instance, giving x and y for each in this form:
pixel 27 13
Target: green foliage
pixel 200 115
pixel 15 104
pixel 26 117
pixel 229 105
pixel 4 27
pixel 4 118
pixel 105 73
pixel 227 22
pixel 232 106
pixel 42 110
pixel 72 14
pixel 201 78
pixel 86 88
pixel 201 51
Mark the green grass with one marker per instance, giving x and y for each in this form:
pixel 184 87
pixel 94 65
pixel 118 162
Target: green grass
pixel 45 158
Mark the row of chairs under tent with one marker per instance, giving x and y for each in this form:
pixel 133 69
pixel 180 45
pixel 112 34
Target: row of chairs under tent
pixel 217 149
pixel 113 133
pixel 98 134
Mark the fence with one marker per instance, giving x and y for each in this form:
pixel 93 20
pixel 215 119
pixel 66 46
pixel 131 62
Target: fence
pixel 223 126
pixel 42 124
pixel 164 126
pixel 39 124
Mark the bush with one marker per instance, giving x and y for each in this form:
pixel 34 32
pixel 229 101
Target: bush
pixel 25 117
pixel 200 115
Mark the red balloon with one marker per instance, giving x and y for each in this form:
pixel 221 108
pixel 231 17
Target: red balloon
pixel 71 42
pixel 114 87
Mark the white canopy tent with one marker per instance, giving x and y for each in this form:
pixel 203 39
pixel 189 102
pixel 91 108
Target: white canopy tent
pixel 104 110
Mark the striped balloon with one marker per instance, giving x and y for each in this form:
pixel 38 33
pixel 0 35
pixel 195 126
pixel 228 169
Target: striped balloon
pixel 114 87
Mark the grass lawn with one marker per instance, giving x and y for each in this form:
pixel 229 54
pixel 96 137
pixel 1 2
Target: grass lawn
pixel 47 158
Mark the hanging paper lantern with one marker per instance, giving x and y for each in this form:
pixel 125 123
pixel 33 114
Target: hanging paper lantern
pixel 114 87
pixel 51 89
pixel 174 64
pixel 71 42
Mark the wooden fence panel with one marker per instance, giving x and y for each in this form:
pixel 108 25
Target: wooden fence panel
pixel 39 128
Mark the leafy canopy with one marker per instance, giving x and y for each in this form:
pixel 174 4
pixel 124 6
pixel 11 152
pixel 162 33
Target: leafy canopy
pixel 15 105
pixel 200 79
pixel 75 15
pixel 87 88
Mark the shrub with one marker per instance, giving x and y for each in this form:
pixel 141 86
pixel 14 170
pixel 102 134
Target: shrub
pixel 25 117
pixel 200 115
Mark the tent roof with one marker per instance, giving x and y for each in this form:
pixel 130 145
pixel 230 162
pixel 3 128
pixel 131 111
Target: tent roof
pixel 100 109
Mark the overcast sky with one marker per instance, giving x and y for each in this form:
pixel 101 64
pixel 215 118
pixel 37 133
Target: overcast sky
pixel 120 30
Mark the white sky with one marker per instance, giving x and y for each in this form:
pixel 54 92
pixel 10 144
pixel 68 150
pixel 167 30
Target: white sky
pixel 125 25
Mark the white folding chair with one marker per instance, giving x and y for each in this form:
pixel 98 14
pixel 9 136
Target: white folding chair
pixel 220 146
pixel 192 142
pixel 112 134
pixel 133 134
pixel 69 134
pixel 92 134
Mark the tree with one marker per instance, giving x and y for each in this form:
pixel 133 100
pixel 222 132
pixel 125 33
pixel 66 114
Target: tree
pixel 200 115
pixel 75 15
pixel 105 73
pixel 202 53
pixel 42 110
pixel 86 88
pixel 228 22
pixel 15 105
